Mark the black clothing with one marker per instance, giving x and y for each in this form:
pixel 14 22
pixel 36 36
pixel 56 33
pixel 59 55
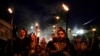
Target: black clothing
pixel 20 45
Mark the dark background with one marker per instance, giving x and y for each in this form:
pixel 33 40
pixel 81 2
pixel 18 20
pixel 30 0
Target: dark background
pixel 25 11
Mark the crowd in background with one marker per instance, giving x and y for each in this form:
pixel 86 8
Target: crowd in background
pixel 60 45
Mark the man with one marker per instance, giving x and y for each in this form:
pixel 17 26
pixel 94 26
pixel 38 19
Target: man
pixel 50 46
pixel 21 43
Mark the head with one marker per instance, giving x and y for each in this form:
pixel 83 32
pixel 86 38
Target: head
pixel 53 36
pixel 37 48
pixel 61 33
pixel 78 39
pixel 22 32
pixel 33 37
pixel 43 40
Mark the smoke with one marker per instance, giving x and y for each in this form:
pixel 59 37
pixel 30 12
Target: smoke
pixel 27 18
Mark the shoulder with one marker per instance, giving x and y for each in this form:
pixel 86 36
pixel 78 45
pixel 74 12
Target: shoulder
pixel 49 43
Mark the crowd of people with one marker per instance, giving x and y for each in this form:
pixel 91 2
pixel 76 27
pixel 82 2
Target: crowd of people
pixel 60 45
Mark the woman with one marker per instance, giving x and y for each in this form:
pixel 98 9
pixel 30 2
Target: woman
pixel 32 44
pixel 43 44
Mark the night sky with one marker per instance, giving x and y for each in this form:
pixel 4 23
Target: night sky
pixel 26 12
